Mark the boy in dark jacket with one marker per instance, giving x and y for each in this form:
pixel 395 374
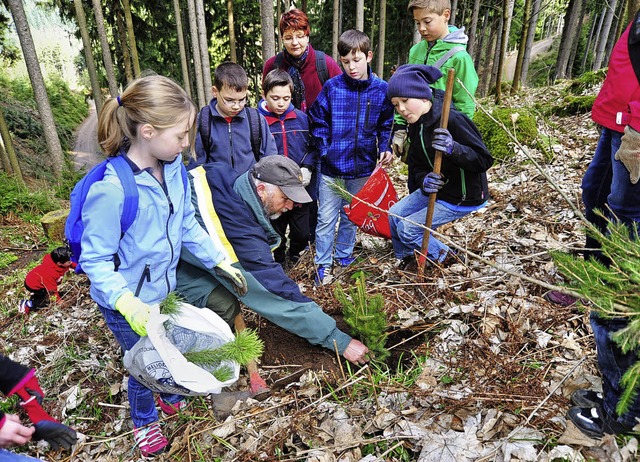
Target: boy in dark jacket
pixel 42 281
pixel 290 129
pixel 225 131
pixel 351 123
pixel 462 184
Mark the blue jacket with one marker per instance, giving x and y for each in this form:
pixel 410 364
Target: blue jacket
pixel 293 138
pixel 351 124
pixel 148 252
pixel 464 170
pixel 231 141
pixel 231 211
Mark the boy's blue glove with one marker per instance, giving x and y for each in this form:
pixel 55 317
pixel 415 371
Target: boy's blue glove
pixel 432 183
pixel 443 141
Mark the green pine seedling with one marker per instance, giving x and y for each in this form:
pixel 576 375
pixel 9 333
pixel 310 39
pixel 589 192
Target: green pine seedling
pixel 171 305
pixel 366 316
pixel 613 291
pixel 339 187
pixel 224 373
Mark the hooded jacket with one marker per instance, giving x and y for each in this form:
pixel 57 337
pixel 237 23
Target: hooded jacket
pixel 232 213
pixel 13 375
pixel 351 124
pixel 463 170
pixel 47 275
pixel 148 252
pixel 422 53
pixel 618 102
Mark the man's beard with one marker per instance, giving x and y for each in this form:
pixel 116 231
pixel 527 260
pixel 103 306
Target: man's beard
pixel 275 216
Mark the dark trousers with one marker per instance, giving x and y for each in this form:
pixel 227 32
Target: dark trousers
pixel 297 220
pixel 39 297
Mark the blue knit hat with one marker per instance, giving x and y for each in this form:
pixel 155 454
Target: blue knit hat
pixel 412 81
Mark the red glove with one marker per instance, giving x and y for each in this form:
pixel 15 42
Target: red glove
pixel 47 428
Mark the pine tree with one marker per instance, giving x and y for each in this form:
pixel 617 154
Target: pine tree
pixel 614 291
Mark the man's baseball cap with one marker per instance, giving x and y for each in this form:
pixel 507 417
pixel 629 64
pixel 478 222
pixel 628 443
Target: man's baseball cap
pixel 283 172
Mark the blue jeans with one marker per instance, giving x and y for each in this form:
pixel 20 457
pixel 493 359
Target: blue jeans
pixel 8 456
pixel 407 237
pixel 596 184
pixel 330 208
pixel 143 408
pixel 613 364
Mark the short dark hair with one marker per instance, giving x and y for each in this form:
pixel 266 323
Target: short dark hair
pixel 353 40
pixel 231 75
pixel 61 255
pixel 276 78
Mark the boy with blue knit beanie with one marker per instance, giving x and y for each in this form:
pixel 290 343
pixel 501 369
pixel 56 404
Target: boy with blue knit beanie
pixel 461 185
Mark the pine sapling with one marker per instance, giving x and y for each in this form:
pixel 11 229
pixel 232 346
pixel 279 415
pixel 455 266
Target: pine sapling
pixel 613 290
pixel 366 316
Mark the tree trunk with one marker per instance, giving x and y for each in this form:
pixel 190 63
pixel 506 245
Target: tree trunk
pixel 522 49
pixel 606 26
pixel 88 56
pixel 507 14
pixel 616 31
pixel 106 51
pixel 531 33
pixel 454 10
pixel 132 38
pixel 481 43
pixel 124 46
pixel 183 54
pixel 12 166
pixel 566 43
pixel 268 38
pixel 232 32
pixel 587 48
pixel 576 40
pixel 632 8
pixel 360 15
pixel 471 46
pixel 383 33
pixel 279 15
pixel 335 31
pixel 204 45
pixel 37 82
pixel 195 47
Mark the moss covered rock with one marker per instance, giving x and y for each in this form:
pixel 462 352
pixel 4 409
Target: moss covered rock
pixel 520 121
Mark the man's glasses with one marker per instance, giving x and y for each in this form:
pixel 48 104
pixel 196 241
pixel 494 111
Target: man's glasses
pixel 233 102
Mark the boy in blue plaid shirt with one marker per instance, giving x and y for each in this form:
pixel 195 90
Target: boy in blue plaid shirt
pixel 351 124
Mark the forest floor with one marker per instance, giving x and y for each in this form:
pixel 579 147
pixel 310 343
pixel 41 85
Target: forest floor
pixel 481 367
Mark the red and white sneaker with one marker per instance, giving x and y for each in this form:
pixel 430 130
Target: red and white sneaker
pixel 172 408
pixel 24 306
pixel 150 440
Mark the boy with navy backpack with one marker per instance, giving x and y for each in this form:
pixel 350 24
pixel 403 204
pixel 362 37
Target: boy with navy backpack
pixel 290 129
pixel 228 130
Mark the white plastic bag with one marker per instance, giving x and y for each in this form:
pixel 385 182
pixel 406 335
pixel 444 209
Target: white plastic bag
pixel 156 361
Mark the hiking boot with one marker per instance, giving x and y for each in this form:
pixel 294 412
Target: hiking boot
pixel 323 276
pixel 24 306
pixel 559 298
pixel 345 261
pixel 150 440
pixel 172 408
pixel 594 422
pixel 586 398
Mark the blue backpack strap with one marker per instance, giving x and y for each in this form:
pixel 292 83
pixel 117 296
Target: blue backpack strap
pixel 204 128
pixel 255 131
pixel 128 181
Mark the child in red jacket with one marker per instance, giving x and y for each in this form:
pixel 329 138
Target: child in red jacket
pixel 42 281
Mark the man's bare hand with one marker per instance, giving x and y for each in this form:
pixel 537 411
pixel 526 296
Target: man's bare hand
pixel 13 432
pixel 356 352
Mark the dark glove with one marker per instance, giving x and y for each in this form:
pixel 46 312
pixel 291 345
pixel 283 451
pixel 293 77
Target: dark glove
pixel 443 141
pixel 234 276
pixel 432 183
pixel 55 433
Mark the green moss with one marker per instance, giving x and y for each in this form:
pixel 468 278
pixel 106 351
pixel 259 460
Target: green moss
pixel 572 105
pixel 500 145
pixel 586 81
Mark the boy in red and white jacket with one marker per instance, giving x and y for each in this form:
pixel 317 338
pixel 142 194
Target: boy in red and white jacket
pixel 42 281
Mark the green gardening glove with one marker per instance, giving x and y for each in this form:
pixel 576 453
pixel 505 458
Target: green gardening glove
pixel 629 153
pixel 233 275
pixel 135 311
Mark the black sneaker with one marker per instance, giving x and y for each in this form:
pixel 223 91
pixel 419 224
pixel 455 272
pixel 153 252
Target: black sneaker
pixel 586 398
pixel 594 422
